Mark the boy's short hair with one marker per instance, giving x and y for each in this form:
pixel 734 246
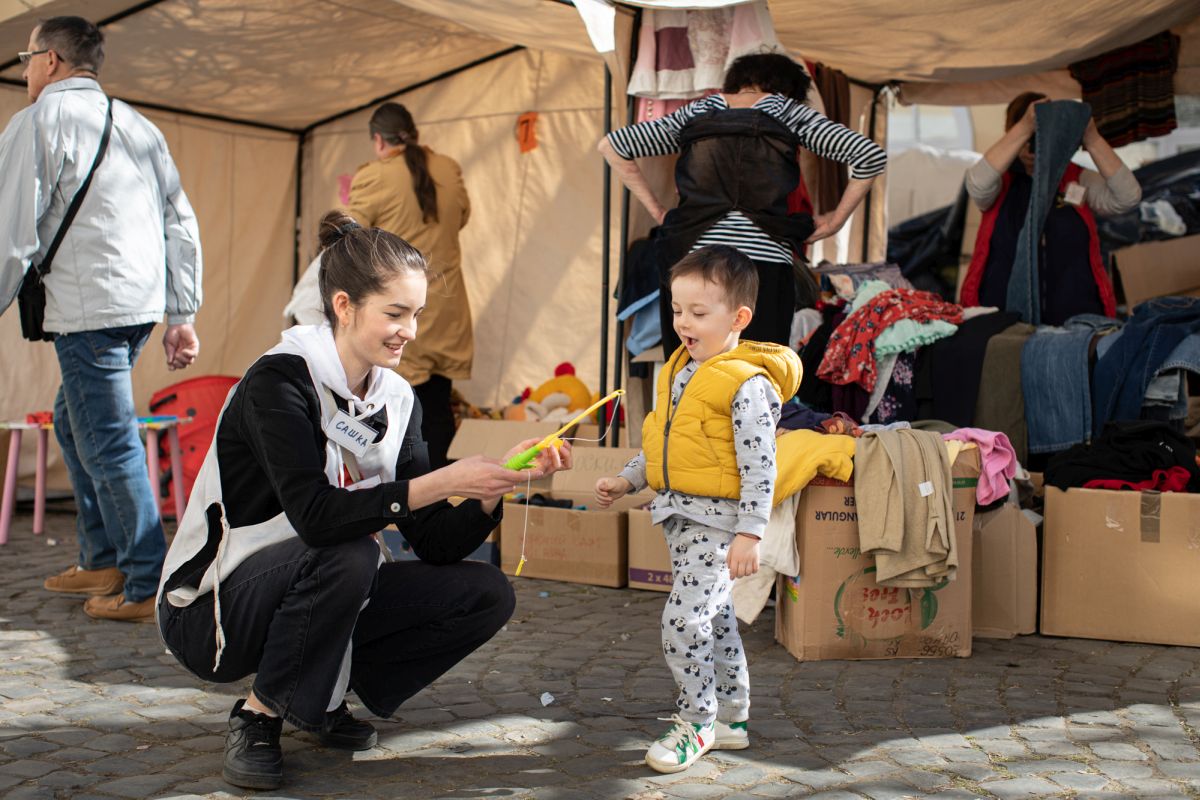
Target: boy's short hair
pixel 727 267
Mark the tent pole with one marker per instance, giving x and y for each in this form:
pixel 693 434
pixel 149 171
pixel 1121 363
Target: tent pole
pixel 866 233
pixel 265 126
pixel 605 236
pixel 299 205
pixel 412 87
pixel 619 345
pixel 120 15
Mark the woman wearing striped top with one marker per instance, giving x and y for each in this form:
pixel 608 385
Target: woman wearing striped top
pixel 738 163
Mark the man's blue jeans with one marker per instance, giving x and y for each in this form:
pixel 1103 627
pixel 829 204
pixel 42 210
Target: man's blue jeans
pixel 96 426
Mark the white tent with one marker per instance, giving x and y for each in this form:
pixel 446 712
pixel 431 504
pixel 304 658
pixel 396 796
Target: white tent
pixel 264 105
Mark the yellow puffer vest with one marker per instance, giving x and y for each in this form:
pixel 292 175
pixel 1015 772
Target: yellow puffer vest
pixel 693 445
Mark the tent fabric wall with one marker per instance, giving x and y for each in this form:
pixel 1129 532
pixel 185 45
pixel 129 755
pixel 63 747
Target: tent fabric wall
pixel 531 251
pixel 241 182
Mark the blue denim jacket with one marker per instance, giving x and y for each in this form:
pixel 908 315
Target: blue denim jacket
pixel 1147 345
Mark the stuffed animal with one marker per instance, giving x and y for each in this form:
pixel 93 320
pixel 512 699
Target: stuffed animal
pixel 556 400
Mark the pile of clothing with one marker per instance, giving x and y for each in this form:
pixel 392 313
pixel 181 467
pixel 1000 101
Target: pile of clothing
pixel 1139 456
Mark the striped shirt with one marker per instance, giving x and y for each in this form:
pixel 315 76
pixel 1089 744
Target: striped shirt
pixel 817 133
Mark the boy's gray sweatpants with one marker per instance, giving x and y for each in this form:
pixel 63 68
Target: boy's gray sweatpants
pixel 699 631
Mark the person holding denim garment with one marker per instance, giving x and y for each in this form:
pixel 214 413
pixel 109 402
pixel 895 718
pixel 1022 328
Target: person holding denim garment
pixel 131 254
pixel 1072 276
pixel 276 570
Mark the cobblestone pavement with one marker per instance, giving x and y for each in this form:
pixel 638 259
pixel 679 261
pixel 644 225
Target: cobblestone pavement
pixel 98 709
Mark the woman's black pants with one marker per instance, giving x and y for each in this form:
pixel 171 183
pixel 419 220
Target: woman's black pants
pixel 437 418
pixel 289 611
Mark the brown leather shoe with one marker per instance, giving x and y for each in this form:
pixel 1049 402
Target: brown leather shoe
pixel 117 608
pixel 87 581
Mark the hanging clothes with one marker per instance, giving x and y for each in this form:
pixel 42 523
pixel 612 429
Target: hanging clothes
pixel 1132 90
pixel 682 54
pixel 832 177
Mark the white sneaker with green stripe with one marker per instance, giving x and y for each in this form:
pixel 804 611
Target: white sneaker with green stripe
pixel 731 736
pixel 681 747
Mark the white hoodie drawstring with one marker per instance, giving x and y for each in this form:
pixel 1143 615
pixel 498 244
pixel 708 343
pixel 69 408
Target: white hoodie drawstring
pixel 216 568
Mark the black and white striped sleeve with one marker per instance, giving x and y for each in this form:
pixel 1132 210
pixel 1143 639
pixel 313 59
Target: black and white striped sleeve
pixel 657 137
pixel 832 140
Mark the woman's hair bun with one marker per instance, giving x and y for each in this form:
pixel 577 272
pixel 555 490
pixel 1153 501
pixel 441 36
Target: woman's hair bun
pixel 334 226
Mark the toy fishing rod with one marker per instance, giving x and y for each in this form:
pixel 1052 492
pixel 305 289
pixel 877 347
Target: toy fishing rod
pixel 523 460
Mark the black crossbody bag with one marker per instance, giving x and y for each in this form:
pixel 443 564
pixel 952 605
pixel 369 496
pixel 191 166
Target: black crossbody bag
pixel 31 299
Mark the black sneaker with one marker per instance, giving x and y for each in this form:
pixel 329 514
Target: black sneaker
pixel 253 758
pixel 343 731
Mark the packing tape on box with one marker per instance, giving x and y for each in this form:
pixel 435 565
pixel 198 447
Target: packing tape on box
pixel 1151 516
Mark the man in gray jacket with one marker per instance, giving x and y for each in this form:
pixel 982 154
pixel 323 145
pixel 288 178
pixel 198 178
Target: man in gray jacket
pixel 131 254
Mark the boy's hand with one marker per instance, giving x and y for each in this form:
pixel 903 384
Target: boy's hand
pixel 609 490
pixel 743 556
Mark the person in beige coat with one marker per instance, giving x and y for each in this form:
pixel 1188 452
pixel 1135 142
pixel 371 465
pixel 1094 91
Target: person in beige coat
pixel 419 195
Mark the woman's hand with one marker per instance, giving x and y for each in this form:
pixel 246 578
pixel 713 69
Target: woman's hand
pixel 481 478
pixel 1028 121
pixel 826 225
pixel 743 556
pixel 549 461
pixel 609 490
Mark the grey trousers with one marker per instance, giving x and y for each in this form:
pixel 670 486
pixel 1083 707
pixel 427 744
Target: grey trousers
pixel 699 631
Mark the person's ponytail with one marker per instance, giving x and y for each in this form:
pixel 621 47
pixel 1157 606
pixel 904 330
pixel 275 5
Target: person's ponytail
pixel 423 185
pixel 395 124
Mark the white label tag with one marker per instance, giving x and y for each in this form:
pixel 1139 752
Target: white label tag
pixel 925 488
pixel 365 483
pixel 1074 193
pixel 351 434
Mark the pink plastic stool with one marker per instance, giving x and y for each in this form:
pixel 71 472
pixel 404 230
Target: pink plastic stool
pixel 9 501
pixel 153 427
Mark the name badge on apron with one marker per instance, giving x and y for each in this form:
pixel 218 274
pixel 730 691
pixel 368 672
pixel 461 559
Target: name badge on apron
pixel 353 435
pixel 1074 193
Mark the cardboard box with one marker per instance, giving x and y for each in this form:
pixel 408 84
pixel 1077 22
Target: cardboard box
pixel 836 610
pixel 494 437
pixel 1121 566
pixel 649 559
pixel 1003 574
pixel 1155 269
pixel 568 544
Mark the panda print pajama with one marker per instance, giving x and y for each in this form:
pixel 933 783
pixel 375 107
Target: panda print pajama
pixel 700 637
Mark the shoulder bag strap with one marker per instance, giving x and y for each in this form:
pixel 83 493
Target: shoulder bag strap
pixel 77 200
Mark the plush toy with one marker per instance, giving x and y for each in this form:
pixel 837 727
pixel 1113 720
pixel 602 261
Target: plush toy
pixel 564 381
pixel 553 401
